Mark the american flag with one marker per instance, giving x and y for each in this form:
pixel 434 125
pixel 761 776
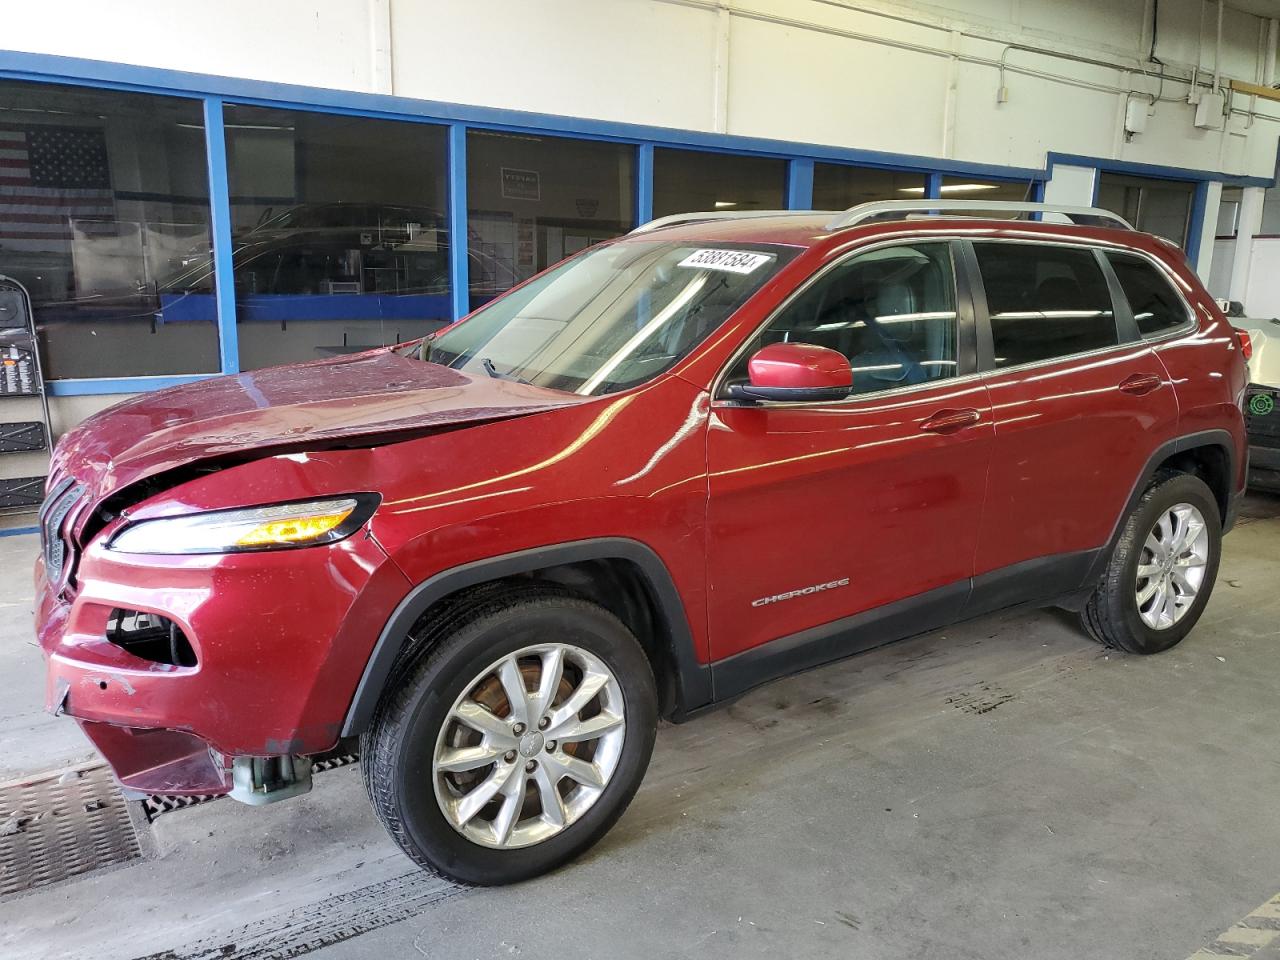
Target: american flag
pixel 53 180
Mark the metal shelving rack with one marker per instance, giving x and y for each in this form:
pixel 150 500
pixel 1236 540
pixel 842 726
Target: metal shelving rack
pixel 26 431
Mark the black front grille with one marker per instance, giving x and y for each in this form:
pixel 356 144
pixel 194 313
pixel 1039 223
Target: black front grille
pixel 57 543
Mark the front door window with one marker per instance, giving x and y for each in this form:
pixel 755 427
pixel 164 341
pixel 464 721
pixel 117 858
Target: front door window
pixel 891 311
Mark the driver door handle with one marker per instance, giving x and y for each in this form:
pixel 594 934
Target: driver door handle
pixel 951 420
pixel 1139 384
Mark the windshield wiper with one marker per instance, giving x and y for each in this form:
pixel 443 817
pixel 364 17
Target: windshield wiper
pixel 492 371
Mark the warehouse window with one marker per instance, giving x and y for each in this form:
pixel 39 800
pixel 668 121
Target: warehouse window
pixel 104 207
pixel 1228 224
pixel 1044 301
pixel 532 201
pixel 688 180
pixel 838 186
pixel 972 188
pixel 1162 207
pixel 339 230
pixel 1270 213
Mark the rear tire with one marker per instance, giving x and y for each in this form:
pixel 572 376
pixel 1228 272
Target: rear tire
pixel 474 785
pixel 1162 570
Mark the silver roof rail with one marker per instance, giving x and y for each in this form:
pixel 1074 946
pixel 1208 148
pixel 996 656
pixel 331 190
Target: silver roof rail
pixel 878 208
pixel 699 217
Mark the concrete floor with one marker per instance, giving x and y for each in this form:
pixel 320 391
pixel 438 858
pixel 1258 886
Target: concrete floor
pixel 1003 789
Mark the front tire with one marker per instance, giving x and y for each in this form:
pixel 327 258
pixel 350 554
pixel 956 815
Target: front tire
pixel 516 739
pixel 1162 570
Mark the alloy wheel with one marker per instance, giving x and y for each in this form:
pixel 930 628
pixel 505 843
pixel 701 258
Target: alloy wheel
pixel 1172 565
pixel 529 746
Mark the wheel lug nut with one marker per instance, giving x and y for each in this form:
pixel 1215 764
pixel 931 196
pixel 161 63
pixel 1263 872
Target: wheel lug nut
pixel 544 723
pixel 518 729
pixel 551 746
pixel 510 756
pixel 531 766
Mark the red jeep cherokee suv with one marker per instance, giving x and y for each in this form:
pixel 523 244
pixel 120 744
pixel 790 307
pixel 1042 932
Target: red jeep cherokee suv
pixel 676 466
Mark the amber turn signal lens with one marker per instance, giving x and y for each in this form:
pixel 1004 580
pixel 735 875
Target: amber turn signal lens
pixel 297 530
pixel 274 526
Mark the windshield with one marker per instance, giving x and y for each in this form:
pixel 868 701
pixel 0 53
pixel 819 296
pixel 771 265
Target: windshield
pixel 610 318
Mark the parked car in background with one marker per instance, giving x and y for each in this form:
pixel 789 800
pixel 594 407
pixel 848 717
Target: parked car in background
pixel 307 263
pixel 717 451
pixel 345 248
pixel 1262 402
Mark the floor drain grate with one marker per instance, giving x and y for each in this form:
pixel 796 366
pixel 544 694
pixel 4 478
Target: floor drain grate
pixel 62 824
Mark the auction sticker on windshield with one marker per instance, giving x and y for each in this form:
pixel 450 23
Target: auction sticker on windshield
pixel 734 261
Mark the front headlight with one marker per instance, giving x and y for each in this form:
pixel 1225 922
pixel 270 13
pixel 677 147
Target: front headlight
pixel 256 528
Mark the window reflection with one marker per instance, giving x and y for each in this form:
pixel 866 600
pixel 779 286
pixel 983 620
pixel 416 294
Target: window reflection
pixel 891 312
pixel 691 180
pixel 532 201
pixel 1162 207
pixel 973 188
pixel 837 186
pixel 611 319
pixel 104 206
pixel 339 230
pixel 1044 301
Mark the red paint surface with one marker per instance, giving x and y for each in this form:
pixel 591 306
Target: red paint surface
pixel 289 407
pixel 816 493
pixel 799 365
pixel 900 494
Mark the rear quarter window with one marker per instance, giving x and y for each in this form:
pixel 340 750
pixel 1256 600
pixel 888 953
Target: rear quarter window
pixel 1156 306
pixel 1044 301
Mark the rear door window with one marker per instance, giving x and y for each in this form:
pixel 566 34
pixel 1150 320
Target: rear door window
pixel 1156 307
pixel 1044 301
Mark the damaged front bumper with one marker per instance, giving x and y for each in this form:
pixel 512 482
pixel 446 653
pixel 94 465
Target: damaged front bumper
pixel 215 674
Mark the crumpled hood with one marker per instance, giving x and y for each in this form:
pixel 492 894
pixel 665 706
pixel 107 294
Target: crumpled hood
pixel 374 395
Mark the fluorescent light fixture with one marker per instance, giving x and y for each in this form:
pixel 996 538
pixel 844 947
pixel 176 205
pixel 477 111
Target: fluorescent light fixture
pixel 725 204
pixel 952 188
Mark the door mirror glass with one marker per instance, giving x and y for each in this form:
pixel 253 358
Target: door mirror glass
pixel 795 372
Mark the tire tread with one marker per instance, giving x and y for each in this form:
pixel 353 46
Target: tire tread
pixel 441 633
pixel 1104 615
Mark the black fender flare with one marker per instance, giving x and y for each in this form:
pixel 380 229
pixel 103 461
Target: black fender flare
pixel 1205 438
pixel 693 678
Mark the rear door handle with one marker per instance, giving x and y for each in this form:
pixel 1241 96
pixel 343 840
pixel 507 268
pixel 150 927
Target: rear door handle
pixel 949 421
pixel 1140 383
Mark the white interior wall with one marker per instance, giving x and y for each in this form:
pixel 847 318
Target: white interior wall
pixel 1208 227
pixel 1262 299
pixel 907 76
pixel 1071 185
pixel 66 412
pixel 314 42
pixel 1219 281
